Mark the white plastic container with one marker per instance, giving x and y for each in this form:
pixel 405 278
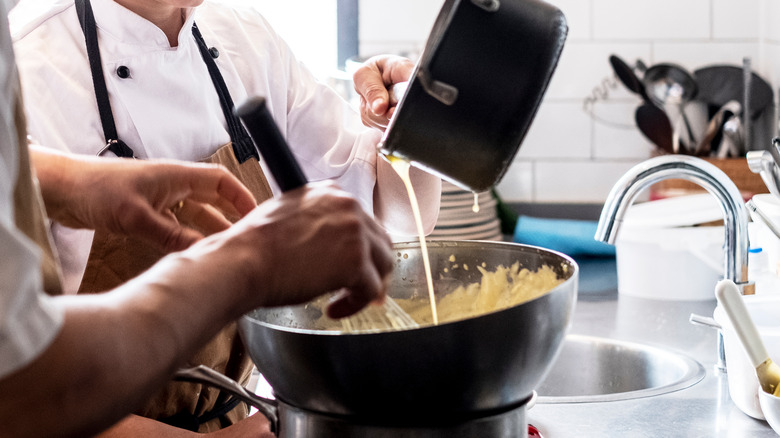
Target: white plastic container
pixel 661 254
pixel 743 382
pixel 763 236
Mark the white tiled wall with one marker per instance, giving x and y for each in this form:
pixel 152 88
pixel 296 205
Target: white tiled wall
pixel 296 21
pixel 568 155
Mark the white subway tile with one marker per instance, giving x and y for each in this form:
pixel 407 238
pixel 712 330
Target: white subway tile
pixel 400 20
pixel 577 13
pixel 407 49
pixel 517 183
pixel 651 19
pixel 572 181
pixel 772 64
pixel 615 134
pixel 736 19
pixel 771 12
pixel 560 129
pixel 584 66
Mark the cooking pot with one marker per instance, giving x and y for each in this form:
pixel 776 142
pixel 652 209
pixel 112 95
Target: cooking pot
pixel 426 375
pixel 476 88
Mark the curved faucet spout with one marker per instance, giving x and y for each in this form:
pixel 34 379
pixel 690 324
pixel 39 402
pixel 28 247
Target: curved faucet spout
pixel 696 170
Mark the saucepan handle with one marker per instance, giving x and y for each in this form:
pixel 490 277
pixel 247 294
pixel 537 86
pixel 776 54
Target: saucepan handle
pixel 207 376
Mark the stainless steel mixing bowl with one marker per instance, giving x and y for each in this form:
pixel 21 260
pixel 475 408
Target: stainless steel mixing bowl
pixel 458 369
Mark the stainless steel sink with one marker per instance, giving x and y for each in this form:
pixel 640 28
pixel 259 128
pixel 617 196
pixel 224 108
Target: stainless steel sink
pixel 591 369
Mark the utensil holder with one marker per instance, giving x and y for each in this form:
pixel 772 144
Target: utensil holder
pixel 736 169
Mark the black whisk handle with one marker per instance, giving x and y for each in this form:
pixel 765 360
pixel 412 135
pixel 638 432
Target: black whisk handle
pixel 270 144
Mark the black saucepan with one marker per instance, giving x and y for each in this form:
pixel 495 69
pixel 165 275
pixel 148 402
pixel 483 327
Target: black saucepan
pixel 476 88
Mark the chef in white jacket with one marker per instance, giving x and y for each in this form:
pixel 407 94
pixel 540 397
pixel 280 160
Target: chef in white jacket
pixel 158 79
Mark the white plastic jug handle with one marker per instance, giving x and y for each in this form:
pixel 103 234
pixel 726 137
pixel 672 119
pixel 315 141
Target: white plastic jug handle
pixel 729 297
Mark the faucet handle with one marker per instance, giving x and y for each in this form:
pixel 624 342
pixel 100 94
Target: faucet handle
pixel 763 163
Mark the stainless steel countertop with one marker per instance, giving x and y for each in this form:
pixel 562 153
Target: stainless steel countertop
pixel 702 410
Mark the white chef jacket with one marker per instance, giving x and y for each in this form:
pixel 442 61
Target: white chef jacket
pixel 28 321
pixel 168 107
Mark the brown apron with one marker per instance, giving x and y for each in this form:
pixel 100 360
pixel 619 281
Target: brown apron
pixel 30 213
pixel 115 259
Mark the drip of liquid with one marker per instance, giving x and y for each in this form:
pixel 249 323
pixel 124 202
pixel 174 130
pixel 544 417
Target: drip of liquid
pixel 475 208
pixel 401 167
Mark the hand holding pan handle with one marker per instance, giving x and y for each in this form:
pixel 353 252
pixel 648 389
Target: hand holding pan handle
pixel 270 144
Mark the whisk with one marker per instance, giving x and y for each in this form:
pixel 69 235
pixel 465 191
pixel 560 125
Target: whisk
pixel 386 316
pixel 288 175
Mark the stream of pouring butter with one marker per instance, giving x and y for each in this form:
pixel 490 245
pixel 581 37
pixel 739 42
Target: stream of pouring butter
pixel 401 167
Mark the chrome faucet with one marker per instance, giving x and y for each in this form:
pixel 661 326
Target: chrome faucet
pixel 696 170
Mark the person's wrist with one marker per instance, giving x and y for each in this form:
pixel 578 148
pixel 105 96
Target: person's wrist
pixel 236 265
pixel 54 172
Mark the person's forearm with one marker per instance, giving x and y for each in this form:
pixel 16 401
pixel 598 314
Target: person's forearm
pixel 51 167
pixel 136 197
pixel 119 347
pixel 134 426
pixel 115 349
pixel 391 200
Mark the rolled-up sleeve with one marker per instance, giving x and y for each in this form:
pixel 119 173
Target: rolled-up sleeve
pixel 328 138
pixel 28 320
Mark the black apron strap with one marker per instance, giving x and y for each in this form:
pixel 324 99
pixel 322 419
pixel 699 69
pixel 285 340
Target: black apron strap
pixel 243 147
pixel 87 21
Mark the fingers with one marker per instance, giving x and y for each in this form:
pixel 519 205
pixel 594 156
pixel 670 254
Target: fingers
pixel 198 192
pixel 371 119
pixel 373 278
pixel 215 185
pixel 371 287
pixel 202 217
pixel 371 87
pixel 371 83
pixel 159 228
pixel 208 193
pixel 399 68
pixel 314 240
